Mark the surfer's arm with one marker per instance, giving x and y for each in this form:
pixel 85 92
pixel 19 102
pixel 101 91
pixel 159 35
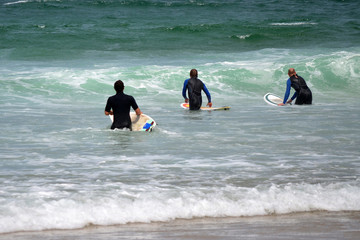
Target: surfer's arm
pixel 108 108
pixel 207 94
pixel 184 89
pixel 293 97
pixel 135 106
pixel 138 112
pixel 287 93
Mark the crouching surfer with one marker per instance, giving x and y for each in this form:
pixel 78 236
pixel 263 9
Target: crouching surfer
pixel 302 93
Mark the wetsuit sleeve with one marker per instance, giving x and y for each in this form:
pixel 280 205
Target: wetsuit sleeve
pixel 108 106
pixel 294 96
pixel 207 93
pixel 133 103
pixel 287 93
pixel 184 88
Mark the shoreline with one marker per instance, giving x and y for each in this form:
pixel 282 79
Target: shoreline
pixel 309 225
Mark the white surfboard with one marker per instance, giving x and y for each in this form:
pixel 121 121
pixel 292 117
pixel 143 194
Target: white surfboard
pixel 140 123
pixel 272 99
pixel 186 106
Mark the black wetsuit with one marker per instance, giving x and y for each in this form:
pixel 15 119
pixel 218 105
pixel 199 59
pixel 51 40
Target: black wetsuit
pixel 120 104
pixel 194 87
pixel 302 93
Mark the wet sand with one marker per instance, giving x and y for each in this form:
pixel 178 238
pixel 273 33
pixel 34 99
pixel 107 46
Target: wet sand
pixel 316 225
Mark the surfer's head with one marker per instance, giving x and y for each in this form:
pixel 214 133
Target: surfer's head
pixel 291 72
pixel 193 73
pixel 119 86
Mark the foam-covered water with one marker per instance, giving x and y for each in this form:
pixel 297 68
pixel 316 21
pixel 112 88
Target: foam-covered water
pixel 63 168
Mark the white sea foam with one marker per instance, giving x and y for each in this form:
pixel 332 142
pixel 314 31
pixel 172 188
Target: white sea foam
pixel 62 168
pixel 243 36
pixel 261 69
pixel 148 205
pixel 17 2
pixel 293 24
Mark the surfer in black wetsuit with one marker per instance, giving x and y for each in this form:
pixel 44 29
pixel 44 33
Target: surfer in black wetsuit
pixel 302 93
pixel 194 87
pixel 119 106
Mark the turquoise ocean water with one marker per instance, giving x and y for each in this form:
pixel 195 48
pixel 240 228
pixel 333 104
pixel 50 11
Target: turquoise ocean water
pixel 61 167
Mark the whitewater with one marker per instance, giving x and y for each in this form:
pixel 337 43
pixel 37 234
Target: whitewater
pixel 62 168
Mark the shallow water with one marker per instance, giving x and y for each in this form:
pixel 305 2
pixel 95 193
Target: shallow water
pixel 63 168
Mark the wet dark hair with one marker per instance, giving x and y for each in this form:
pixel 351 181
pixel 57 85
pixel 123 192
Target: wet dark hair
pixel 193 73
pixel 119 86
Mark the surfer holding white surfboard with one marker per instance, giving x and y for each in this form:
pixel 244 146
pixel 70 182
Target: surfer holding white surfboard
pixel 302 93
pixel 194 86
pixel 119 106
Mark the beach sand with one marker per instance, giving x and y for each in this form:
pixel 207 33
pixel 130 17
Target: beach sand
pixel 314 225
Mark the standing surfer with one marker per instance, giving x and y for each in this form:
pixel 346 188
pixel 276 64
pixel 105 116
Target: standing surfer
pixel 302 93
pixel 119 106
pixel 194 87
